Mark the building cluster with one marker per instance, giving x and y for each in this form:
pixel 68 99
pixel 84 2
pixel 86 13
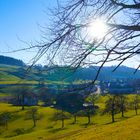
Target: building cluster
pixel 120 86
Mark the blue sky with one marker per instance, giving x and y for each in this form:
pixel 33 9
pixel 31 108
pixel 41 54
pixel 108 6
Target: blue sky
pixel 20 20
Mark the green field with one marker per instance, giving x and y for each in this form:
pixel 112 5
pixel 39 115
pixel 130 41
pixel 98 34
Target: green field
pixel 101 128
pixel 20 75
pixel 20 128
pixel 13 74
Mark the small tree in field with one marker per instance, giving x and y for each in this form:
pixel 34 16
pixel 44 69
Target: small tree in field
pixel 89 110
pixel 92 98
pixel 33 114
pixel 61 115
pixel 90 106
pixel 111 106
pixel 136 102
pixel 122 103
pixel 4 119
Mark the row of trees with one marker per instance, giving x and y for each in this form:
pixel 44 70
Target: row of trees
pixel 74 104
pixel 120 103
pixel 6 117
pixel 88 106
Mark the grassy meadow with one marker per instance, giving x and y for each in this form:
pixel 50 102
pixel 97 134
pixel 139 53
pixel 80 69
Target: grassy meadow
pixel 21 128
pixel 101 128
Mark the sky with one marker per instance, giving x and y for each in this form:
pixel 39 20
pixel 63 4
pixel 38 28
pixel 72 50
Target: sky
pixel 20 22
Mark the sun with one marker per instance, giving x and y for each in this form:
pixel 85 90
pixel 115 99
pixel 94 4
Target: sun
pixel 96 29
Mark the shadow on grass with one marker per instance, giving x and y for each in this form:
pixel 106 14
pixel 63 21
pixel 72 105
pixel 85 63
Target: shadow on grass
pixel 20 131
pixel 117 120
pixel 110 122
pixel 120 119
pixel 57 130
pixel 85 125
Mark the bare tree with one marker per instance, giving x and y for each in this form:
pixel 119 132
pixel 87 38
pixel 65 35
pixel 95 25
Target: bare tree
pixel 69 38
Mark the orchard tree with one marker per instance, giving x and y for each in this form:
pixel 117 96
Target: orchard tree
pixel 92 98
pixel 122 103
pixel 32 113
pixel 111 106
pixel 62 116
pixel 4 119
pixel 136 102
pixel 89 110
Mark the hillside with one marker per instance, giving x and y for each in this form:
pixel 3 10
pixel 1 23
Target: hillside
pixel 124 130
pixel 20 128
pixel 13 74
pixel 18 74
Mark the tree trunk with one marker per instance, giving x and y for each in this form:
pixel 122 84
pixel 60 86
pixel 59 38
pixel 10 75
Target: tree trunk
pixel 62 123
pixel 22 102
pixel 62 119
pixel 75 119
pixel 34 121
pixel 88 119
pixel 22 107
pixel 113 110
pixel 122 110
pixel 122 106
pixel 136 110
pixel 113 120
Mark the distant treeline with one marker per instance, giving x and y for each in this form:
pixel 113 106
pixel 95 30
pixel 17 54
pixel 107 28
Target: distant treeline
pixel 11 61
pixel 68 74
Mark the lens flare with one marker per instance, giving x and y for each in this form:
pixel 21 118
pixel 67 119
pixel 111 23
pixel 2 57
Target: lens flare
pixel 96 30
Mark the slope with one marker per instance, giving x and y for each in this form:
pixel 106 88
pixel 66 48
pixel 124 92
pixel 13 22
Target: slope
pixel 124 130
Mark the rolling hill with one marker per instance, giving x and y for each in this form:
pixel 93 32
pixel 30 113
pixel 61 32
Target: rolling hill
pixel 16 70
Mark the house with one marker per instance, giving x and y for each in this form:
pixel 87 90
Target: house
pixel 118 86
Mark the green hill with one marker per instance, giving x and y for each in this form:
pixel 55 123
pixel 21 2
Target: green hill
pixel 17 74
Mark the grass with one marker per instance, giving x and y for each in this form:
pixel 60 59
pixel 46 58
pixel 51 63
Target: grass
pixel 101 129
pixel 122 130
